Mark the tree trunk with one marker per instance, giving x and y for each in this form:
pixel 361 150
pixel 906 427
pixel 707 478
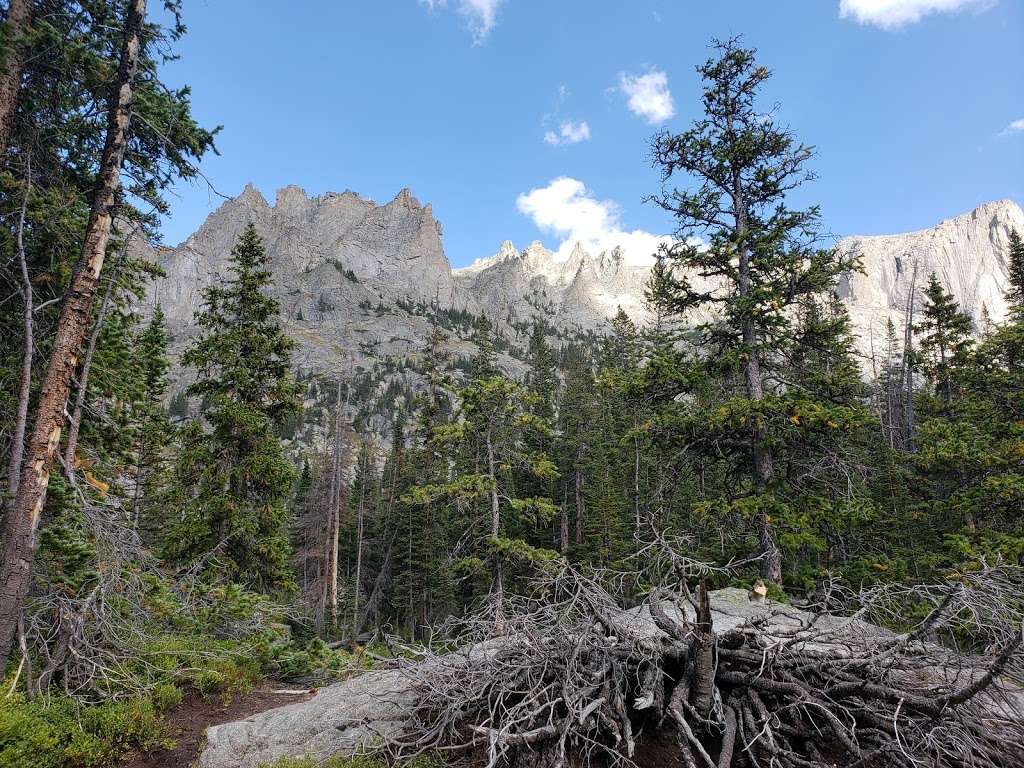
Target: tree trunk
pixel 764 469
pixel 495 505
pixel 21 523
pixel 359 558
pixel 636 481
pixel 908 353
pixel 702 686
pixel 334 509
pixel 16 26
pixel 563 525
pixel 499 585
pixel 25 382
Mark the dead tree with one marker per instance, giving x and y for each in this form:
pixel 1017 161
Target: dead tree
pixel 575 677
pixel 21 522
pixel 25 378
pixel 908 358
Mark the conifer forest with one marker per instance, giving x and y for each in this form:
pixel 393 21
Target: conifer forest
pixel 722 530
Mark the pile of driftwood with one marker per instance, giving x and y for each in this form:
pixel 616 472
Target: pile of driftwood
pixel 730 679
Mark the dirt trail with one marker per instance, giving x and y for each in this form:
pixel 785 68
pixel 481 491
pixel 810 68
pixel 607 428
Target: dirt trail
pixel 190 719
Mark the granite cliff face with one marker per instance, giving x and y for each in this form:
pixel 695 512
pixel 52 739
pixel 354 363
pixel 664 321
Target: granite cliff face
pixel 969 255
pixel 361 283
pixel 583 291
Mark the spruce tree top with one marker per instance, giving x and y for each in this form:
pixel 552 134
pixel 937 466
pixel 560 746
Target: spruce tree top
pixel 738 247
pixel 243 354
pixel 1015 270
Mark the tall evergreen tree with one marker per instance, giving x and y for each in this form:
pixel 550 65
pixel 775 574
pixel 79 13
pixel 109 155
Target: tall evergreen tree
pixel 78 135
pixel 754 257
pixel 577 433
pixel 485 361
pixel 1015 273
pixel 238 475
pixel 542 376
pixel 946 336
pixel 155 433
pixel 492 444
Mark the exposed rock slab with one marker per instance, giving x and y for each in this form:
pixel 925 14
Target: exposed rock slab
pixel 341 718
pixel 352 714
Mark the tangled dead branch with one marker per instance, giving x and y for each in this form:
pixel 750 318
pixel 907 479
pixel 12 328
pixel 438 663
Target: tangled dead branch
pixel 102 639
pixel 574 677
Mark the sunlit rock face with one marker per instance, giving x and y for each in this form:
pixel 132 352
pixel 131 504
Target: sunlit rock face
pixel 361 282
pixel 969 254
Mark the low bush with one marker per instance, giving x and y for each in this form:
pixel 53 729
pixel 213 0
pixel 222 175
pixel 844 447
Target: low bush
pixel 58 732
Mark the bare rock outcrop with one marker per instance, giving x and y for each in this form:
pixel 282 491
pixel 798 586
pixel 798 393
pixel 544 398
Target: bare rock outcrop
pixel 362 282
pixel 968 254
pixel 358 713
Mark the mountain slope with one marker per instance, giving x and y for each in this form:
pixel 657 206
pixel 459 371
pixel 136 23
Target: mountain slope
pixel 967 253
pixel 361 283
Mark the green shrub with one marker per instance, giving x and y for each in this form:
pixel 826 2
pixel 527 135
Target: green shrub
pixel 165 696
pixel 290 660
pixel 60 733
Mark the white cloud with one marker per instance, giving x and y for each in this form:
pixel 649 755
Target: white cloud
pixel 567 209
pixel 890 14
pixel 649 96
pixel 480 15
pixel 1017 126
pixel 568 133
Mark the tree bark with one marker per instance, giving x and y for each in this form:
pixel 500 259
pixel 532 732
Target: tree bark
pixel 25 382
pixel 908 353
pixel 15 28
pixel 636 480
pixel 563 526
pixel 499 584
pixel 21 523
pixel 702 686
pixel 495 504
pixel 578 490
pixel 334 526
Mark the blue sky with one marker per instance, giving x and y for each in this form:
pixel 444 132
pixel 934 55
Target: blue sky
pixel 916 107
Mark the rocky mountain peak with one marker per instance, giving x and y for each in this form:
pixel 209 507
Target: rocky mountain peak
pixel 293 202
pixel 345 267
pixel 507 250
pixel 251 196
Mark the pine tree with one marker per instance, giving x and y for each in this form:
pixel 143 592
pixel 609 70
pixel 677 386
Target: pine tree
pixel 155 433
pixel 822 357
pixel 577 432
pixel 620 348
pixel 416 534
pixel 238 475
pixel 491 445
pixel 485 361
pixel 78 129
pixel 1015 275
pixel 946 336
pixel 753 257
pixel 542 376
